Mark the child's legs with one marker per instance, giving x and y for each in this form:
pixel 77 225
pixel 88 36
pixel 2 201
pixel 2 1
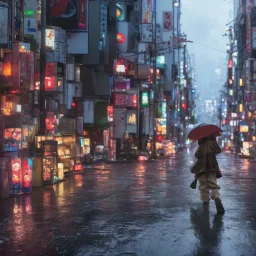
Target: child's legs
pixel 203 188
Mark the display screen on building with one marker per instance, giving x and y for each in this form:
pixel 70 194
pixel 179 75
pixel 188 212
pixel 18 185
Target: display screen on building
pixel 12 138
pixel 16 175
pixel 144 102
pixel 70 15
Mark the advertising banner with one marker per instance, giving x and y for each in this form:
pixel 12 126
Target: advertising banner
pixel 131 121
pixel 30 21
pixel 48 166
pixel 119 99
pixel 161 126
pixel 50 83
pixel 55 41
pixel 50 39
pixel 30 27
pixel 110 111
pixel 119 122
pixel 16 180
pixel 69 15
pixel 12 138
pixel 103 17
pixel 51 125
pixel 167 22
pixel 147 33
pixel 145 101
pixel 27 175
pixel 147 11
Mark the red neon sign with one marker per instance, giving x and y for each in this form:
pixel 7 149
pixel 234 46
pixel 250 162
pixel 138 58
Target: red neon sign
pixel 134 100
pixel 120 68
pixel 120 38
pixel 230 64
pixel 50 83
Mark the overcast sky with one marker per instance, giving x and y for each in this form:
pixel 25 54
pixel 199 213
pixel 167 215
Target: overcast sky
pixel 204 22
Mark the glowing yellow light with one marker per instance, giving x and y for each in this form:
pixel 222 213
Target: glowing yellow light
pixel 231 92
pixel 240 108
pixel 132 119
pixel 118 13
pixel 241 82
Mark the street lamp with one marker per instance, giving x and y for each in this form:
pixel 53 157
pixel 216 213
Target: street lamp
pixel 176 3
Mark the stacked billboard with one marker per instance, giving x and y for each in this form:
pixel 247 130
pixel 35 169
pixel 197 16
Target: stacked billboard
pixel 72 16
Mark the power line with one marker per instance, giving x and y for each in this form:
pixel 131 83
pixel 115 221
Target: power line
pixel 210 47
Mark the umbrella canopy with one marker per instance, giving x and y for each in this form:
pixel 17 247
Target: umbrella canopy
pixel 203 130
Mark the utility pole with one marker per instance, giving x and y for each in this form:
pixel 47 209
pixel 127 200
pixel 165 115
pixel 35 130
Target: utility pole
pixel 42 68
pixel 154 86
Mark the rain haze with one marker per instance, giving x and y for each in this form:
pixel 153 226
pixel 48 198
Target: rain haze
pixel 204 22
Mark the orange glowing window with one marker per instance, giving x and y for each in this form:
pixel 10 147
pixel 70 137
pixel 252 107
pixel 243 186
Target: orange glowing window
pixel 7 69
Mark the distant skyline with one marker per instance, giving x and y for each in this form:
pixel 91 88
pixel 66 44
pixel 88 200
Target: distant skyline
pixel 204 22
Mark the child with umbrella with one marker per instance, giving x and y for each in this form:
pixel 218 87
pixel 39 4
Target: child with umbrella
pixel 206 167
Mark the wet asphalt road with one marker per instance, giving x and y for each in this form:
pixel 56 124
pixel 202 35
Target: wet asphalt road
pixel 134 209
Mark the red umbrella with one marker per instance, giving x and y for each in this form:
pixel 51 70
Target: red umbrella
pixel 203 130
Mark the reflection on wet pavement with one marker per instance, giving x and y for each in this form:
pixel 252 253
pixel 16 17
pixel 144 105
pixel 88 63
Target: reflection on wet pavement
pixel 144 208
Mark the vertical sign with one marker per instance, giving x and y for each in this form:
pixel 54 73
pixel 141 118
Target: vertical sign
pixel 80 125
pixel 147 11
pixel 167 22
pixel 15 64
pixel 253 20
pixel 30 70
pixel 249 4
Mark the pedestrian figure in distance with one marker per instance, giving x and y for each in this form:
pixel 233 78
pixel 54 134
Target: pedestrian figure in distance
pixel 207 171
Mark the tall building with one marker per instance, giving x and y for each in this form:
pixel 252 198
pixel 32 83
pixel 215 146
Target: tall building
pixel 83 79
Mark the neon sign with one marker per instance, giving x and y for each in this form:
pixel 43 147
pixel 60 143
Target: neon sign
pixel 120 38
pixel 29 12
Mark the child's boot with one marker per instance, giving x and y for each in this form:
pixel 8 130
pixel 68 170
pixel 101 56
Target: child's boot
pixel 219 206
